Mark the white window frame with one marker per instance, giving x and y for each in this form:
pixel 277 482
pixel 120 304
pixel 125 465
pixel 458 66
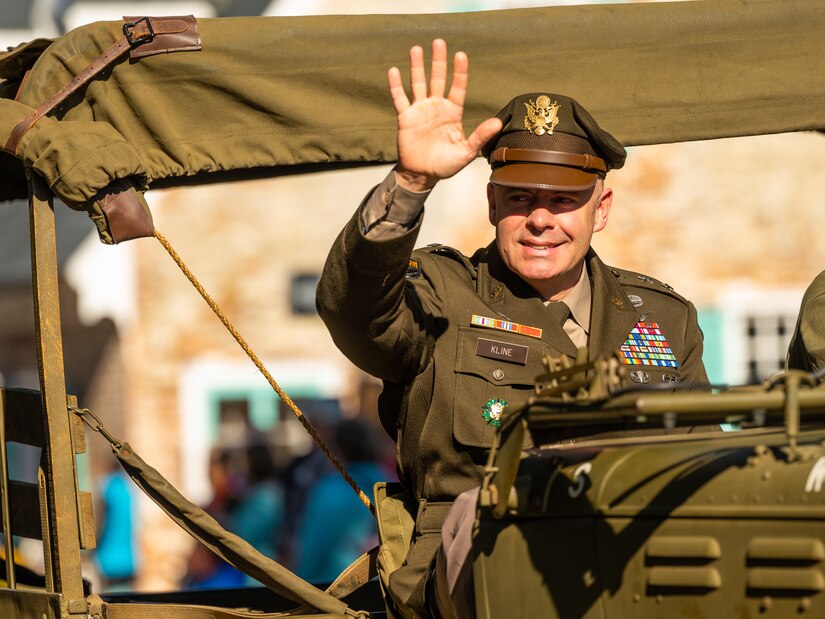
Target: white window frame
pixel 741 303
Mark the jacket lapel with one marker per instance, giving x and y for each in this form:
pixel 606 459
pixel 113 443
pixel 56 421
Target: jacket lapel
pixel 515 300
pixel 612 315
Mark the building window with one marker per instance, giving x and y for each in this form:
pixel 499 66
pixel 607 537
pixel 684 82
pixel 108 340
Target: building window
pixel 234 425
pixel 302 293
pixel 747 334
pixel 767 343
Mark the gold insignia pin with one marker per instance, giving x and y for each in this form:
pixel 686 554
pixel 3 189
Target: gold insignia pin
pixel 542 116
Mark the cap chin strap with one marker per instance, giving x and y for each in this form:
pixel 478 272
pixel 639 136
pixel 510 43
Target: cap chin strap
pixel 589 163
pixel 547 186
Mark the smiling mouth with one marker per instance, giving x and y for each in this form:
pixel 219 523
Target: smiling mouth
pixel 539 246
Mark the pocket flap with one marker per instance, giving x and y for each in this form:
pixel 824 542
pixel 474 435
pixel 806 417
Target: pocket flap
pixel 506 373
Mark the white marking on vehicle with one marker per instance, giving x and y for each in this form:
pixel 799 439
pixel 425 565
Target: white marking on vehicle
pixel 580 478
pixel 816 477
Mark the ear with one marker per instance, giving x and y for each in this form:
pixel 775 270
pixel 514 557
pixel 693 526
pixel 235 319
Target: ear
pixel 491 203
pixel 603 209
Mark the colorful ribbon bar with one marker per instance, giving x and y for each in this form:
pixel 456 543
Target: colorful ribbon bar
pixel 645 345
pixel 505 325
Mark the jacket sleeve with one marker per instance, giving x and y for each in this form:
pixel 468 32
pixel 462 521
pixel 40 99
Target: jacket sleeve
pixel 807 348
pixel 384 324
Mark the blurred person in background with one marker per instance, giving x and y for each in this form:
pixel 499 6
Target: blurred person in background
pixel 336 528
pixel 259 516
pixel 116 553
pixel 205 570
pixel 301 475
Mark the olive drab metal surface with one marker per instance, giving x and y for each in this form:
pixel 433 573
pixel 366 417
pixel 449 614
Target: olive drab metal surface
pixel 688 525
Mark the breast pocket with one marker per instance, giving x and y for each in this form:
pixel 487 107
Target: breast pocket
pixel 491 367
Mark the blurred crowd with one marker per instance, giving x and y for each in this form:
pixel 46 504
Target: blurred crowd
pixel 297 510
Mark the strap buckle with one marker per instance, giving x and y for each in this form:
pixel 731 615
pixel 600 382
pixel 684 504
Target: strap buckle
pixel 144 38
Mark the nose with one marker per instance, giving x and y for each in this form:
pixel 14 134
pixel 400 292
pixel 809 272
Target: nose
pixel 541 218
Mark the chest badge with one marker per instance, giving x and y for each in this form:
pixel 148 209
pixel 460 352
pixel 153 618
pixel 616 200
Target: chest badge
pixel 646 345
pixel 640 376
pixel 492 411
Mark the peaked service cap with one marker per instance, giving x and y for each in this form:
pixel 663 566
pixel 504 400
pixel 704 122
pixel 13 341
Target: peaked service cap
pixel 550 142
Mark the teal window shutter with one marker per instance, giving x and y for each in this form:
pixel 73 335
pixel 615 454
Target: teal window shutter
pixel 710 321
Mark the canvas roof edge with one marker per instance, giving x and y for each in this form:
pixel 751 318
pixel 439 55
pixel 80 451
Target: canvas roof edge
pixel 267 95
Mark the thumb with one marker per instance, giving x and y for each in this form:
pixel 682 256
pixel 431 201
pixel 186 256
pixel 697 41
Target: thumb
pixel 483 133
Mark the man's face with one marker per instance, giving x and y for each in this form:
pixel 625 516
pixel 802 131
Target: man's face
pixel 543 235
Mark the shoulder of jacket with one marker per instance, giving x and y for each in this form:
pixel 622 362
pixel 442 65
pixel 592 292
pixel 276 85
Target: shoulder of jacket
pixel 631 279
pixel 445 255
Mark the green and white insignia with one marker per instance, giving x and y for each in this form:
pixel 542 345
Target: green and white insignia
pixel 492 411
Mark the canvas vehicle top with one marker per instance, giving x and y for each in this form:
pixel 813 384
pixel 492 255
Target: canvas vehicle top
pixel 111 110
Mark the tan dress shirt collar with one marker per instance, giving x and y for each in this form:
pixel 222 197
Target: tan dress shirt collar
pixel 579 300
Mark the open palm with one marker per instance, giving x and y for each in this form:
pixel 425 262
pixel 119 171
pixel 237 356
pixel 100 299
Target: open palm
pixel 431 142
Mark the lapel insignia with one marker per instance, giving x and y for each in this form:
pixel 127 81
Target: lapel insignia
pixel 413 269
pixel 645 345
pixel 505 325
pixel 492 411
pixel 542 116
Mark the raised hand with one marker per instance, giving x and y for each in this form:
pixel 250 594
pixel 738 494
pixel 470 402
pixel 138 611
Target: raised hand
pixel 431 142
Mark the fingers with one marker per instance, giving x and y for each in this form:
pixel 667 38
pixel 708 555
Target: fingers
pixel 483 133
pixel 418 78
pixel 397 92
pixel 458 89
pixel 438 77
pixel 438 73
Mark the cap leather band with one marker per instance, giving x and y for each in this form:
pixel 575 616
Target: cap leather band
pixel 520 155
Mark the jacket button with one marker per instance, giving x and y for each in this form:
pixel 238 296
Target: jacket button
pixel 498 374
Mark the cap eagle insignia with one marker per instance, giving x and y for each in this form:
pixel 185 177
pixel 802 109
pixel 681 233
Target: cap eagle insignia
pixel 542 116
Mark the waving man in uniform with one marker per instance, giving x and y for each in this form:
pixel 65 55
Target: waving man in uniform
pixel 456 339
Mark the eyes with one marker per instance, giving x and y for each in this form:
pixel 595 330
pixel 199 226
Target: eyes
pixel 559 200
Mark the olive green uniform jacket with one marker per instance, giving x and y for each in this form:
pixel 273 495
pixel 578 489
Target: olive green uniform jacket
pixel 408 321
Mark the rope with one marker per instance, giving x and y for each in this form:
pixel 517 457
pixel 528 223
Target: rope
pixel 251 354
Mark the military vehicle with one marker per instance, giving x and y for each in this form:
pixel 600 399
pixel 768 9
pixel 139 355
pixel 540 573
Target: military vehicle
pixel 704 525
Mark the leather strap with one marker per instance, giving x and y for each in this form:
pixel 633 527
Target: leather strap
pixel 139 32
pixel 82 78
pixel 523 155
pixel 172 34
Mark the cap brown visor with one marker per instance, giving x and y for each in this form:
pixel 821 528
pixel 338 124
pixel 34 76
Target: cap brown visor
pixel 537 169
pixel 543 176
